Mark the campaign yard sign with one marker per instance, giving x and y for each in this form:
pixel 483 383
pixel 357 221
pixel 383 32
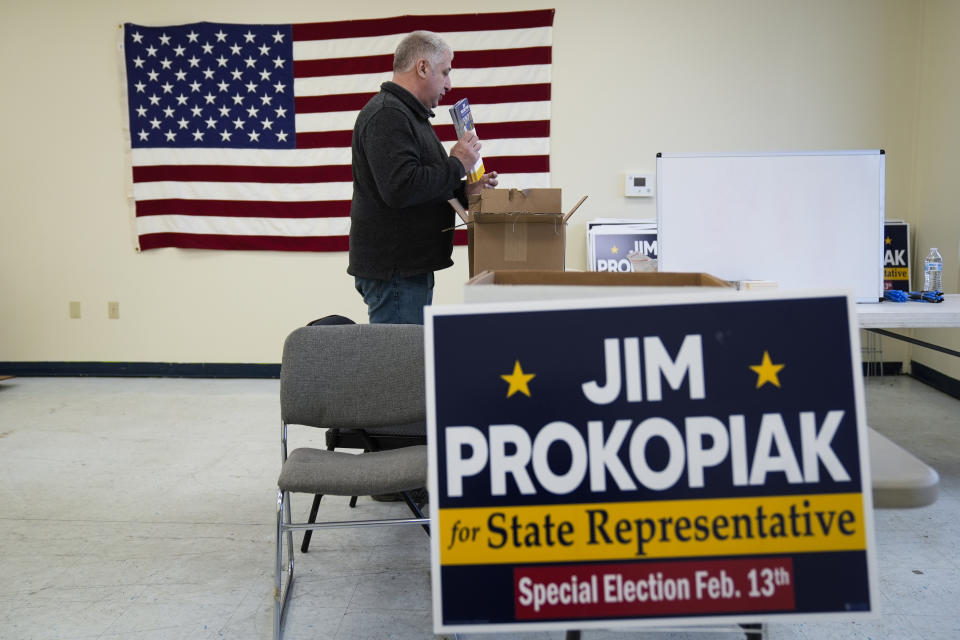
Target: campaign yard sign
pixel 677 459
pixel 621 245
pixel 615 251
pixel 896 255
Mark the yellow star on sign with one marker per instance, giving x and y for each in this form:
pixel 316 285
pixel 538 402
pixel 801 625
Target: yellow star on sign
pixel 518 380
pixel 888 240
pixel 767 371
pixel 614 249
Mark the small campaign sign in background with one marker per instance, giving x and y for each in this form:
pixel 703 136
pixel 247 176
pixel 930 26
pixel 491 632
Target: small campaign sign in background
pixel 896 256
pixel 625 251
pixel 621 245
pixel 605 463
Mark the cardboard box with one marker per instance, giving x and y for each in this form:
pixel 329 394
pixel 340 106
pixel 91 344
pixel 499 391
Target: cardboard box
pixel 517 229
pixel 495 286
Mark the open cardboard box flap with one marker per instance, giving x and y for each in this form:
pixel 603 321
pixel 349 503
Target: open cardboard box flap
pixel 528 205
pixel 517 201
pixel 460 210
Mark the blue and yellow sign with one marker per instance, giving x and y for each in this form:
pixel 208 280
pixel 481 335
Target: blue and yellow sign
pixel 896 256
pixel 607 462
pixel 620 251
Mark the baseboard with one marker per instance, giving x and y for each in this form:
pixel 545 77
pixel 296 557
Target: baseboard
pixel 882 368
pixel 937 380
pixel 140 369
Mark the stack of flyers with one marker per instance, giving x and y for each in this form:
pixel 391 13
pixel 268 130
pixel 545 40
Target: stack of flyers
pixel 463 121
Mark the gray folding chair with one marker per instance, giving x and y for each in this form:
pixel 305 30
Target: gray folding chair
pixel 396 436
pixel 347 377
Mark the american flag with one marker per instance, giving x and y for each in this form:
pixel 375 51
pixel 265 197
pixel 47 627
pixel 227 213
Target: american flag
pixel 240 134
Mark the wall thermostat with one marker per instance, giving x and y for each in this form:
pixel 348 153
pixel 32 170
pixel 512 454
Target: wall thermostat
pixel 639 185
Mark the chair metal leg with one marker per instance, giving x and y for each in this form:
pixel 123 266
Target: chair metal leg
pixel 415 509
pixel 278 570
pixel 281 593
pixel 305 545
pixel 287 519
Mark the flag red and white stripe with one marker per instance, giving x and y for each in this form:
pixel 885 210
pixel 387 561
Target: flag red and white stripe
pixel 191 191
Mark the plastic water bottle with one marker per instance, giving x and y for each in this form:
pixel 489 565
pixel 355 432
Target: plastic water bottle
pixel 933 271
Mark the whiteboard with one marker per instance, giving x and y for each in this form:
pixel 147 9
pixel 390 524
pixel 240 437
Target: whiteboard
pixel 808 219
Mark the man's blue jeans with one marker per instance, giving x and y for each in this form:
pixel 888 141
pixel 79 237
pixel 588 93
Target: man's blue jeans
pixel 398 300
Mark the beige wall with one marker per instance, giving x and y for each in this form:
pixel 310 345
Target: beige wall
pixel 936 199
pixel 629 80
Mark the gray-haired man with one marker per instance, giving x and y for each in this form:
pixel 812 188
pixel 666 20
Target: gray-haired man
pixel 400 220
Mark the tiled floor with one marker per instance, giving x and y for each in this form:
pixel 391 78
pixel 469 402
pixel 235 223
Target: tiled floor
pixel 143 509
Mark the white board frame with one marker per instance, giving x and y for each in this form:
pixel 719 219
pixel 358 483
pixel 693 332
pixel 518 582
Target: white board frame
pixel 806 219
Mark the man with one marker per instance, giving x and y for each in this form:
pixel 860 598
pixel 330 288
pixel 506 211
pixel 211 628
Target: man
pixel 400 220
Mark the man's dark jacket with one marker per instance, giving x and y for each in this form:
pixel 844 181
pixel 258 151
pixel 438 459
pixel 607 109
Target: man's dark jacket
pixel 400 219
